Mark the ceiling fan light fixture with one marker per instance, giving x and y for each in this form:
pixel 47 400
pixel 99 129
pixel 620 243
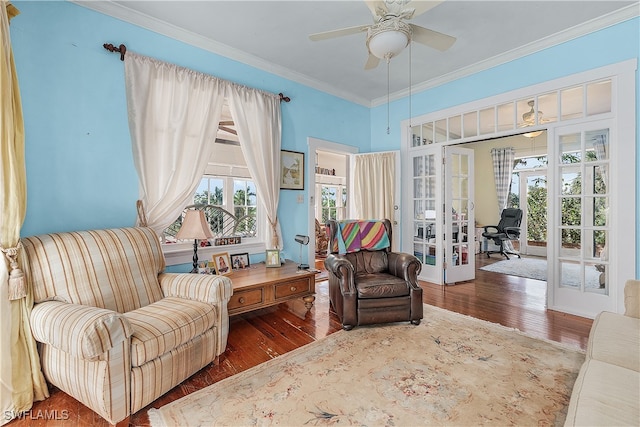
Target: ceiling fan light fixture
pixel 532 134
pixel 388 38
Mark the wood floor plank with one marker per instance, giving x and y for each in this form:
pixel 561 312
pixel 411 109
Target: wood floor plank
pixel 257 337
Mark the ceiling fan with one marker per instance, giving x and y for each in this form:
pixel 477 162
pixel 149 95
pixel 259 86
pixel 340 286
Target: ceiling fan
pixel 529 119
pixel 390 34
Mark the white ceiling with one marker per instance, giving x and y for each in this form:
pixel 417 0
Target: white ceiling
pixel 273 36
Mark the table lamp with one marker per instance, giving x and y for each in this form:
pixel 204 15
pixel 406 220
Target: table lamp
pixel 303 240
pixel 194 226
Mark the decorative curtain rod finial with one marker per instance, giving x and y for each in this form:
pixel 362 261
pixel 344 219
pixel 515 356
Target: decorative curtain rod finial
pixel 284 98
pixel 111 48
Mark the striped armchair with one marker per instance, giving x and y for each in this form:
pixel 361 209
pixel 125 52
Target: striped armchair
pixel 113 330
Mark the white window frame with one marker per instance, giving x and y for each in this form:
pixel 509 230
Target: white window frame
pixel 182 253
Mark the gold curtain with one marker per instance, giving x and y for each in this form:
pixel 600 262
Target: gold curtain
pixel 21 379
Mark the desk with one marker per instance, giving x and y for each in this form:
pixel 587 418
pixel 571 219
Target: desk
pixel 258 287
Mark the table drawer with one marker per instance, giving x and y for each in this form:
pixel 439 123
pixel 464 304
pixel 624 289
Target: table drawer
pixel 246 298
pixel 292 288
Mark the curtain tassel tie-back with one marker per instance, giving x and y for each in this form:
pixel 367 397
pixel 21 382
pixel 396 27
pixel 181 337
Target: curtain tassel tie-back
pixel 275 242
pixel 17 287
pixel 142 217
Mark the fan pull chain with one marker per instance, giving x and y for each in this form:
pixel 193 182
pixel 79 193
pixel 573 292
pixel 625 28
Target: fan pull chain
pixel 410 125
pixel 388 97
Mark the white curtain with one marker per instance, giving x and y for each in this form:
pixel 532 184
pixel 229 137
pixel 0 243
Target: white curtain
pixel 601 144
pixel 374 185
pixel 173 118
pixel 258 122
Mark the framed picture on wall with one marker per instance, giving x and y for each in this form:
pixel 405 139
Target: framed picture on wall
pixel 291 170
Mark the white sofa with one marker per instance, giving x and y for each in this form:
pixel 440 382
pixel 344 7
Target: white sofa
pixel 114 330
pixel 607 390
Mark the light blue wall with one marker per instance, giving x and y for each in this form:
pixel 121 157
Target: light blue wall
pixel 80 172
pixel 608 46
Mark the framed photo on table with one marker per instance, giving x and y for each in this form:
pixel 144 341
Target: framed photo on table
pixel 291 170
pixel 273 258
pixel 222 262
pixel 239 261
pixel 206 267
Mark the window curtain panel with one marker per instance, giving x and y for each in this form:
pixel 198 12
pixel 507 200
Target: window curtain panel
pixel 374 185
pixel 258 121
pixel 503 159
pixel 21 379
pixel 601 145
pixel 173 119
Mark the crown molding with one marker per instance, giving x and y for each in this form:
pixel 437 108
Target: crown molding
pixel 134 17
pixel 596 24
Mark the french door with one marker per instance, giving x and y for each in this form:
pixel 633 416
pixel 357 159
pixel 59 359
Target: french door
pixel 443 216
pixel 533 196
pixel 583 241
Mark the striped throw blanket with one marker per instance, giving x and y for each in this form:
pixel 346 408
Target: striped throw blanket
pixel 354 236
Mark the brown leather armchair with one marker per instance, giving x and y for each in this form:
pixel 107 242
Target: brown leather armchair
pixel 368 287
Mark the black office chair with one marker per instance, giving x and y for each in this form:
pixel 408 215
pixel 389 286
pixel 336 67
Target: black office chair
pixel 507 229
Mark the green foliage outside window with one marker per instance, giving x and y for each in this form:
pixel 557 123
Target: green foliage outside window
pixel 329 204
pixel 571 206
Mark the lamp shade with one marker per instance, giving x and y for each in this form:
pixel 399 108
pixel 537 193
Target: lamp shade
pixel 194 226
pixel 303 240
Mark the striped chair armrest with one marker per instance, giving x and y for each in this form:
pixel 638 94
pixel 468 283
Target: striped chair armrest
pixel 214 290
pixel 200 287
pixel 82 331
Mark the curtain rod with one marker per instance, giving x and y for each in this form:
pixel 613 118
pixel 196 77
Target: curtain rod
pixel 122 49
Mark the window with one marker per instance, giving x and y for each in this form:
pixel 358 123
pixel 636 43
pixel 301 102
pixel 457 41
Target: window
pixel 233 207
pixel 245 207
pixel 329 203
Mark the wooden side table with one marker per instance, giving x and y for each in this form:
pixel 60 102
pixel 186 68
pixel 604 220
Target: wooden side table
pixel 258 287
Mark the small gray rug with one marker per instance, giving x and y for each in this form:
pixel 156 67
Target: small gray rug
pixel 536 268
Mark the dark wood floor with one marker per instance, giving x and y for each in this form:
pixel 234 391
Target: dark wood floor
pixel 262 335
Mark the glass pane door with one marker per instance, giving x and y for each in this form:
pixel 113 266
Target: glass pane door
pixel 458 192
pixel 581 273
pixel 427 219
pixel 533 191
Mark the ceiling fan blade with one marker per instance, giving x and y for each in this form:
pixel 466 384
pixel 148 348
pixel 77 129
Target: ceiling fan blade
pixel 372 62
pixel 226 123
pixel 421 7
pixel 338 33
pixel 378 8
pixel 431 38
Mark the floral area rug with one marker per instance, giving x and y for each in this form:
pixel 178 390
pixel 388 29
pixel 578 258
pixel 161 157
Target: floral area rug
pixel 449 370
pixel 536 268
